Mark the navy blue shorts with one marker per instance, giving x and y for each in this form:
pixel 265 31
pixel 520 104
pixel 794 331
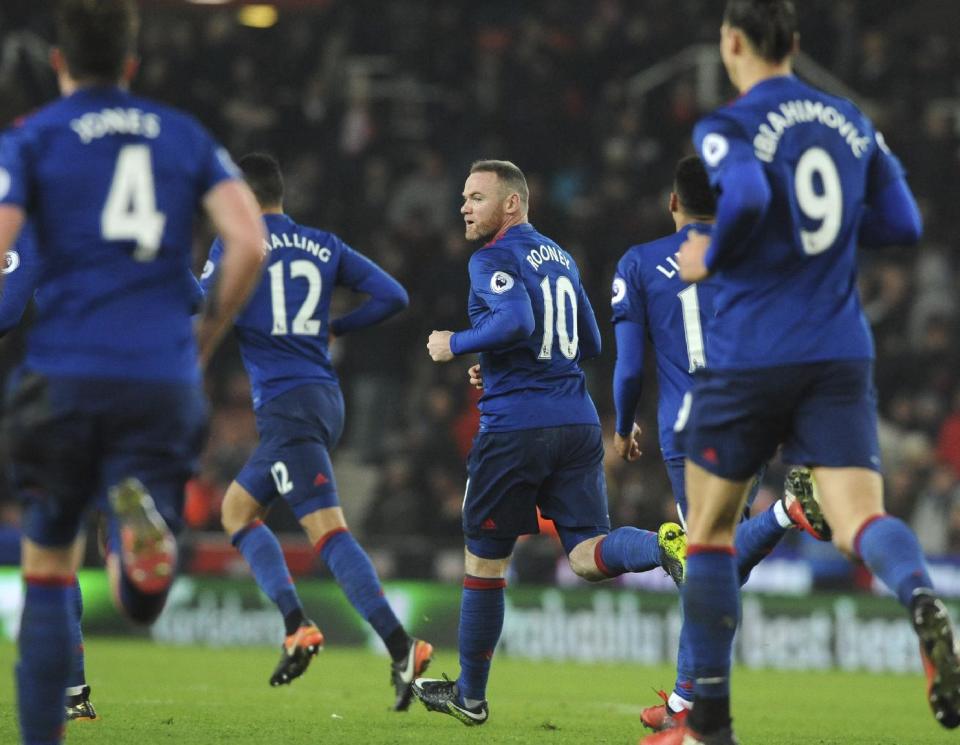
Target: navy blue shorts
pixel 558 469
pixel 675 472
pixel 823 413
pixel 298 430
pixel 71 439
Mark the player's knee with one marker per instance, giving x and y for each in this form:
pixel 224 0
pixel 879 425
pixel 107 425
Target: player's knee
pixel 237 511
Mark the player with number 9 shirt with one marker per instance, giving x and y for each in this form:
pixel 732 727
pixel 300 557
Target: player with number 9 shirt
pixel 801 176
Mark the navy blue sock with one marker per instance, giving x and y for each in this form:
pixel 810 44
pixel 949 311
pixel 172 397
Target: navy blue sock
pixel 481 621
pixel 46 653
pixel 711 604
pixel 754 539
pixel 891 551
pixel 685 671
pixel 354 572
pixel 262 551
pixel 77 677
pixel 627 550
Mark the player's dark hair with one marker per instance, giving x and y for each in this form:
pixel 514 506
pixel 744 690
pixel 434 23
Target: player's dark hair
pixel 509 173
pixel 692 187
pixel 95 37
pixel 770 25
pixel 262 172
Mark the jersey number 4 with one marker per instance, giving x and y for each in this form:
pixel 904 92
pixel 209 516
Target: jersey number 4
pixel 303 321
pixel 130 213
pixel 567 342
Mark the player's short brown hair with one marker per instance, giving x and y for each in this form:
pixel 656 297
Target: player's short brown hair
pixel 96 36
pixel 508 173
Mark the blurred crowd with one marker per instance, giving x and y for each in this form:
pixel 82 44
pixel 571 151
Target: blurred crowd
pixel 376 109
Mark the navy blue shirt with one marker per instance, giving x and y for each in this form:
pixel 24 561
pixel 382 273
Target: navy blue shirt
pixel 651 301
pixel 285 327
pixel 531 323
pixel 788 291
pixel 111 183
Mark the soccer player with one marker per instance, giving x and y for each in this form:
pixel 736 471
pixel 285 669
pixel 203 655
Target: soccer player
pixel 800 176
pixel 539 442
pixel 650 300
pixel 284 334
pixel 108 400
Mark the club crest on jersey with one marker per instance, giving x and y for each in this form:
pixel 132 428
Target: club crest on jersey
pixel 619 290
pixel 4 182
pixel 500 282
pixel 715 148
pixel 10 262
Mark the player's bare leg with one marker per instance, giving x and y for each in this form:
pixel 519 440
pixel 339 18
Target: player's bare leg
pixel 852 501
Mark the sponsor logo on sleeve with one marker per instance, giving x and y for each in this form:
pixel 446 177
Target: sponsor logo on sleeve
pixel 10 262
pixel 500 282
pixel 619 290
pixel 207 270
pixel 715 148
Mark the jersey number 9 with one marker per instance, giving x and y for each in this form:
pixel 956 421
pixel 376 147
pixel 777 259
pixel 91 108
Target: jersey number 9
pixel 825 206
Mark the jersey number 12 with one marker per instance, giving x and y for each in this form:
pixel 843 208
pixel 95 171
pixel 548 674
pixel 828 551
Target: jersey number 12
pixel 303 321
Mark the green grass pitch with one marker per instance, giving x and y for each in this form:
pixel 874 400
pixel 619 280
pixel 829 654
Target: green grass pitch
pixel 148 694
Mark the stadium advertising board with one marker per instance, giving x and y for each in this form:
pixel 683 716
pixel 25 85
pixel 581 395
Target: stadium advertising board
pixel 585 624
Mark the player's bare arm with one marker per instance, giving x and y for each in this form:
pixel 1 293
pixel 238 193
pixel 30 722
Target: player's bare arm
pixel 628 446
pixel 11 222
pixel 235 215
pixel 438 346
pixel 691 259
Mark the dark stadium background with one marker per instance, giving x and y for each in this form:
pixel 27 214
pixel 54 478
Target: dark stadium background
pixel 376 109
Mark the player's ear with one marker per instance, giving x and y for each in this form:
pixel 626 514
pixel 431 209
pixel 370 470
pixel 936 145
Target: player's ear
pixel 130 67
pixel 57 61
pixel 512 204
pixel 674 203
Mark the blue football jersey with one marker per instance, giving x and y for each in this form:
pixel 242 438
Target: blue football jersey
pixel 536 381
pixel 788 293
pixel 112 182
pixel 21 272
pixel 648 291
pixel 284 329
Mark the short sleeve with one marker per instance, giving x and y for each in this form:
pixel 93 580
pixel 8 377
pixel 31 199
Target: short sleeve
pixel 885 168
pixel 15 174
pixel 209 272
pixel 628 300
pixel 215 163
pixel 720 142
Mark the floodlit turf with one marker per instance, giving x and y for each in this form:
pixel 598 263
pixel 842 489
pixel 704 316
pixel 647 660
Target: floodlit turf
pixel 149 694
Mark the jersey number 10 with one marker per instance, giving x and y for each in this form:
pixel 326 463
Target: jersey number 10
pixel 567 343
